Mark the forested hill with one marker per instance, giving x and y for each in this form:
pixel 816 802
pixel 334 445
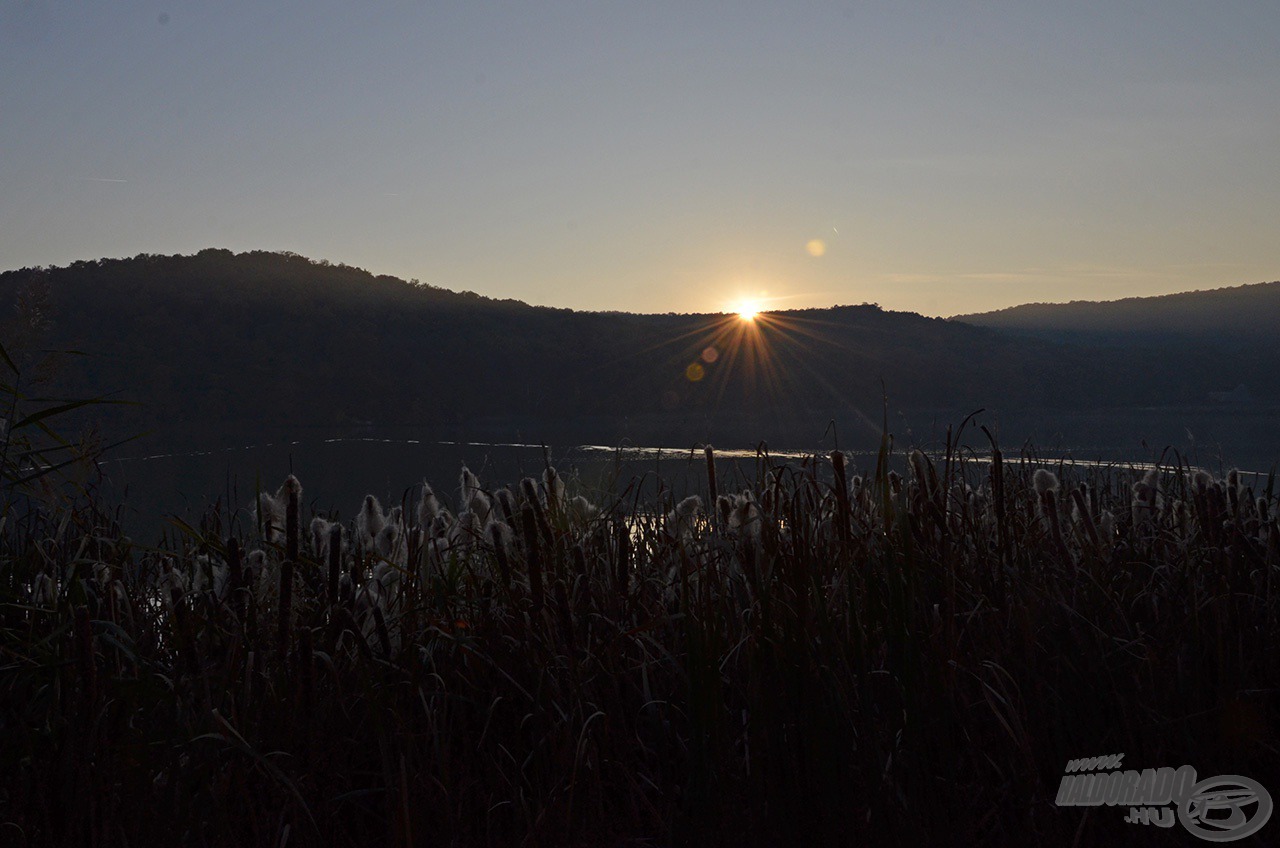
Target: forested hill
pixel 1249 311
pixel 221 346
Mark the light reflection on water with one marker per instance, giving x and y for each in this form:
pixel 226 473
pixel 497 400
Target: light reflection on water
pixel 639 452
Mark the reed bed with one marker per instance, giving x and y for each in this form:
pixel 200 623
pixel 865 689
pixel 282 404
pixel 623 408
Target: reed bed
pixel 820 658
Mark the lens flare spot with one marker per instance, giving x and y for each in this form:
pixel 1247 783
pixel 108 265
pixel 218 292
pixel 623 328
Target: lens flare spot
pixel 695 372
pixel 710 354
pixel 816 247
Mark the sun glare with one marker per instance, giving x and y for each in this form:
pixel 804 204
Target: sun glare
pixel 747 310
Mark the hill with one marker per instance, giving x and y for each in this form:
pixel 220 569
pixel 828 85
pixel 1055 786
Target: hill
pixel 1240 312
pixel 219 347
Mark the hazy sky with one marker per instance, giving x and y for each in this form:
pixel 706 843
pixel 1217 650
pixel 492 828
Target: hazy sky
pixel 949 157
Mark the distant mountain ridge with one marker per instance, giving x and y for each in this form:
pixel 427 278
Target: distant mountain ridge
pixel 218 347
pixel 1248 310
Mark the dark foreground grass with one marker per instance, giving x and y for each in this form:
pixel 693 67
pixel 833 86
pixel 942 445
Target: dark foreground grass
pixel 818 661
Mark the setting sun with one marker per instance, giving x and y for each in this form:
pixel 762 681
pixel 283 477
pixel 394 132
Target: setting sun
pixel 747 310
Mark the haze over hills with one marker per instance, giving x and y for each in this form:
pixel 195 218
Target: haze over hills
pixel 220 346
pixel 1229 314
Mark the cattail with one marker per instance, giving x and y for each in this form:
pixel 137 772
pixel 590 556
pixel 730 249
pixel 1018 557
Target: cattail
pixel 1107 523
pixel 745 517
pixel 529 489
pixel 356 573
pixel 895 483
pixel 506 504
pixel 622 577
pixel 1146 497
pixel 319 537
pixel 688 507
pixel 529 524
pixel 254 565
pixel 1216 500
pixel 468 486
pixel 842 495
pixel 1049 504
pixel 1044 480
pixel 441 525
pixel 581 510
pixel 270 515
pixel 428 506
pixel 387 545
pixel 554 487
pixel 770 495
pixel 235 568
pixel 293 500
pixel 1082 515
pixel 286 606
pixel 500 538
pixel 1201 481
pixel 712 491
pixel 395 518
pixel 200 569
pixel 386 578
pixel 1233 490
pixel 923 470
pixel 221 579
pixel 335 561
pixel 465 530
pixel 479 505
pixel 724 507
pixel 172 585
pixel 680 520
pixel 369 522
pixel 1181 514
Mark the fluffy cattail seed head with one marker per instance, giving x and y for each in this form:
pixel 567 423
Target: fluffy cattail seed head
pixel 1044 481
pixel 468 487
pixel 554 487
pixel 428 506
pixel 1201 481
pixel 370 520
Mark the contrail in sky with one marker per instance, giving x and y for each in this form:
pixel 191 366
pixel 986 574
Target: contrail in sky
pixel 104 180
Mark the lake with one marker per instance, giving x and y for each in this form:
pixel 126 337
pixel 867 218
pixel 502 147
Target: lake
pixel 337 470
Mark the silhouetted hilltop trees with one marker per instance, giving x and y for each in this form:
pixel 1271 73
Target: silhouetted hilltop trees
pixel 1216 347
pixel 1248 311
pixel 221 346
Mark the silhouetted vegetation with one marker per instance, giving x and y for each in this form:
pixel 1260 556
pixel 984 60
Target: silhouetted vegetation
pixel 1228 315
pixel 219 346
pixel 820 659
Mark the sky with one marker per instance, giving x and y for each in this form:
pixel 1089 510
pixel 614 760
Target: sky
pixel 937 157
